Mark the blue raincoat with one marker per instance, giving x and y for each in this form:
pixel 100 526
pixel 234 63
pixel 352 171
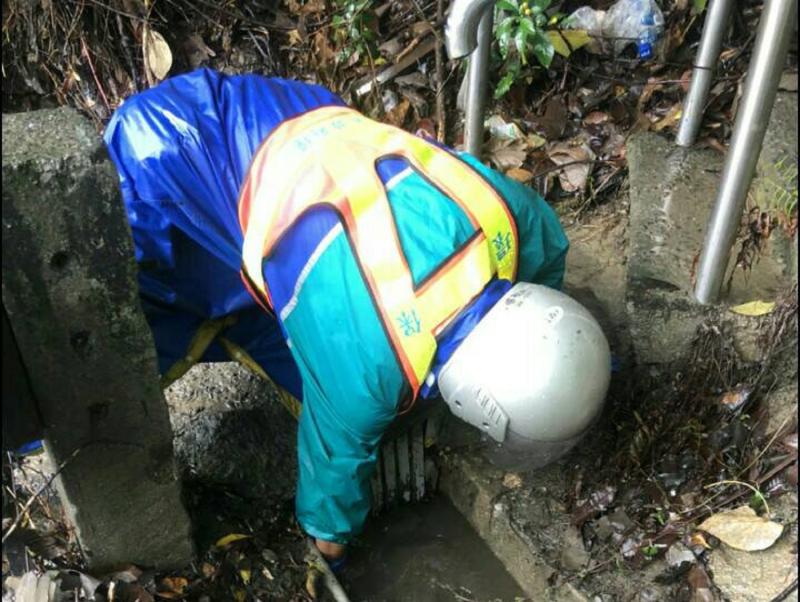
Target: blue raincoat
pixel 182 150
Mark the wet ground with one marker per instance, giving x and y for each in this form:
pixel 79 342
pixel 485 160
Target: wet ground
pixel 426 553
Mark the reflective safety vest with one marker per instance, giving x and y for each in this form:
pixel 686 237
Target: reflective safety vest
pixel 328 156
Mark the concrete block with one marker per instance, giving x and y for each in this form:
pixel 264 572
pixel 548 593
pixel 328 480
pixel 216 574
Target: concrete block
pixel 69 287
pixel 672 191
pixel 530 530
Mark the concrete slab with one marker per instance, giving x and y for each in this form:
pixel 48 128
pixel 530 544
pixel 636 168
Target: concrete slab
pixel 597 269
pixel 525 523
pixel 671 194
pixel 69 287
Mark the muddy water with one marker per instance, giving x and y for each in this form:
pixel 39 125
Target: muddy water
pixel 426 553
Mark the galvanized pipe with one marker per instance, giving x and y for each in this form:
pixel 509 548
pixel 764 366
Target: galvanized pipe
pixel 461 29
pixel 469 32
pixel 775 30
pixel 706 61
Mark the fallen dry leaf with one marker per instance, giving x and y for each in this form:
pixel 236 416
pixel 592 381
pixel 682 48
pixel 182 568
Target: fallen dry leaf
pixel 743 529
pixel 733 400
pixel 577 162
pixel 397 115
pixel 700 584
pixel 754 308
pixel 596 118
pixel 295 38
pixel 196 51
pixel 554 119
pixel 172 587
pixel 229 539
pixel 669 120
pixel 506 155
pixel 698 539
pixel 324 54
pixel 157 54
pixel 534 141
pixel 565 41
pixel 653 85
pixel 523 176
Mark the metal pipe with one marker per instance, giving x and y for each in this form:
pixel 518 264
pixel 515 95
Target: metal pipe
pixel 469 32
pixel 766 66
pixel 478 85
pixel 461 29
pixel 706 61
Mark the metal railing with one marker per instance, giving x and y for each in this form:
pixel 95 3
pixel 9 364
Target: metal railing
pixel 775 30
pixel 469 33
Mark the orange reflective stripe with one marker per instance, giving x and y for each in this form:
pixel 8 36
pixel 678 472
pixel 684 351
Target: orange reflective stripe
pixel 328 156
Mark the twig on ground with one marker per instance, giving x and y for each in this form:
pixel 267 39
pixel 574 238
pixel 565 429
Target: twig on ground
pixel 693 513
pixel 387 74
pixel 743 484
pixel 569 163
pixel 85 53
pixel 785 593
pixel 39 492
pixel 775 435
pixel 439 57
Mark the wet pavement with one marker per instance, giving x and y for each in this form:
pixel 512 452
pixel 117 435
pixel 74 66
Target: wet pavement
pixel 426 553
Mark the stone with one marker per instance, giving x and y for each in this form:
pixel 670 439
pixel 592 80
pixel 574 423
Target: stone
pixel 678 554
pixel 760 576
pixel 69 287
pixel 574 556
pixel 231 431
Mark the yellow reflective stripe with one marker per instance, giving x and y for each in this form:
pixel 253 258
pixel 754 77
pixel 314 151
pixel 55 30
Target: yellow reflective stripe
pixel 464 185
pixel 379 252
pixel 464 280
pixel 277 155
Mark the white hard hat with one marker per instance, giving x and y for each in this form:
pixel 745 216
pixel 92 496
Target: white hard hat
pixel 533 375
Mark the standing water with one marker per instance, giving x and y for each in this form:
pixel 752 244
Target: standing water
pixel 426 553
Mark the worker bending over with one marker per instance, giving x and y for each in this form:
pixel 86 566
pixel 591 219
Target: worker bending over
pixel 367 267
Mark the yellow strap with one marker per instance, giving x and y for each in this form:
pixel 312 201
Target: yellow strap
pixel 197 347
pixel 238 354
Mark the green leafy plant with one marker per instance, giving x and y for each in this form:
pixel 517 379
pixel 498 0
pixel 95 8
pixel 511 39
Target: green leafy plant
pixel 354 27
pixel 520 35
pixel 650 551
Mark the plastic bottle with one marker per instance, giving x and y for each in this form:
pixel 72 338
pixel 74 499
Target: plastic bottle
pixel 629 21
pixel 652 26
pixel 626 22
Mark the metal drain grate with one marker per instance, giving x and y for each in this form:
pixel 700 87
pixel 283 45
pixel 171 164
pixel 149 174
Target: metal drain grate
pixel 406 466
